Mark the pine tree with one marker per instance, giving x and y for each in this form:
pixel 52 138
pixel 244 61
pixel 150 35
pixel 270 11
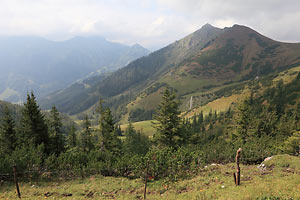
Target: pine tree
pixel 194 122
pixel 244 120
pixel 228 113
pixel 297 117
pixel 34 129
pixel 55 130
pixel 108 134
pixel 200 118
pixel 135 142
pixel 8 136
pixel 72 138
pixel 215 116
pixel 118 130
pixel 169 124
pixel 86 142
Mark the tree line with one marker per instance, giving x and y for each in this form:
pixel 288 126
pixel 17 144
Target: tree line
pixel 264 124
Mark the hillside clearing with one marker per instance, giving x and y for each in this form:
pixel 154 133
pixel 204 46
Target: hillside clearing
pixel 144 126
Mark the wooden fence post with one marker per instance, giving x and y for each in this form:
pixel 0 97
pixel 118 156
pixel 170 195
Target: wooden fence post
pixel 237 175
pixel 16 181
pixel 146 180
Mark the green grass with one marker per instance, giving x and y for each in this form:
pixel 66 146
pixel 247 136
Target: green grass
pixel 145 126
pixel 279 179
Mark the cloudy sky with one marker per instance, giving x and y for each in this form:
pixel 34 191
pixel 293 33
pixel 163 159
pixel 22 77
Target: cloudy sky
pixel 151 23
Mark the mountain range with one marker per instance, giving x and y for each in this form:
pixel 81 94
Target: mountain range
pixel 199 66
pixel 33 63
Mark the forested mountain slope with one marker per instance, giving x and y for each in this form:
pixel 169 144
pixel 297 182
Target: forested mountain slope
pixel 198 65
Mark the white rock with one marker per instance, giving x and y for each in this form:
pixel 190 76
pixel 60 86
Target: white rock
pixel 268 158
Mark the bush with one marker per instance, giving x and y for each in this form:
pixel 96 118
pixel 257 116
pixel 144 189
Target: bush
pixel 292 144
pixel 26 158
pixel 171 163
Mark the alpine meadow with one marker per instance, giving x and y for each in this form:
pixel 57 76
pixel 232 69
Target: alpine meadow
pixel 88 112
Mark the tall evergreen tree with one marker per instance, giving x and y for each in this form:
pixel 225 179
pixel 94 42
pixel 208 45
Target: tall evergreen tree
pixel 86 135
pixel 169 126
pixel 55 130
pixel 200 118
pixel 118 130
pixel 108 134
pixel 135 142
pixel 244 120
pixel 34 129
pixel 72 138
pixel 8 136
pixel 297 117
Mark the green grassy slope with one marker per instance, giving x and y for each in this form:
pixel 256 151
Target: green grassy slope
pixel 123 85
pixel 227 63
pixel 279 179
pixel 207 65
pixel 229 98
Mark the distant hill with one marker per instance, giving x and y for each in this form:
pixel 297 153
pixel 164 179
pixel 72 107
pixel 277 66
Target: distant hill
pixel 201 65
pixel 33 63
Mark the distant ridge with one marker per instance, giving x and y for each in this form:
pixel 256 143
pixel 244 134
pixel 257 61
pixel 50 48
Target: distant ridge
pixel 33 63
pixel 195 65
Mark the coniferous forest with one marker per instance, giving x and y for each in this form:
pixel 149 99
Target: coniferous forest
pixel 264 124
pixel 206 113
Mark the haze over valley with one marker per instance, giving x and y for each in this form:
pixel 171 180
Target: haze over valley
pixel 160 99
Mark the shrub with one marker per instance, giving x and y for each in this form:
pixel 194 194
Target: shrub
pixel 292 144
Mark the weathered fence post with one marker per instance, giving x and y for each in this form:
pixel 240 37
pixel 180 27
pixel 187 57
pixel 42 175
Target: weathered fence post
pixel 16 181
pixel 146 180
pixel 237 175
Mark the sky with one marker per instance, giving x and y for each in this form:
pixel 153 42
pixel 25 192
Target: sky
pixel 150 23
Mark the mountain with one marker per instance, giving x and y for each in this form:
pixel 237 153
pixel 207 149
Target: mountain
pixel 33 63
pixel 198 66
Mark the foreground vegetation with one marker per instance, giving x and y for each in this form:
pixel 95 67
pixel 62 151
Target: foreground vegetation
pixel 278 179
pixel 266 123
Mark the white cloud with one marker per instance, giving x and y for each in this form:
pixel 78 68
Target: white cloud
pixel 275 18
pixel 150 23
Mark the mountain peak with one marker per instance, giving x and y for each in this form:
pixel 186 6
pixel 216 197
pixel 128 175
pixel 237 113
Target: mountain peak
pixel 207 25
pixel 201 36
pixel 136 45
pixel 207 28
pixel 139 48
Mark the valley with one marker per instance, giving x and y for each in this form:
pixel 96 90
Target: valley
pixel 204 65
pixel 177 116
pixel 43 66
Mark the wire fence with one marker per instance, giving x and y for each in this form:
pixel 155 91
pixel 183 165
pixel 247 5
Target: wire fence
pixel 50 175
pixel 43 175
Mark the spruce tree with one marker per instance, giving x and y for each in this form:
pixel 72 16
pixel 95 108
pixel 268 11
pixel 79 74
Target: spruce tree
pixel 200 118
pixel 8 135
pixel 118 130
pixel 194 122
pixel 169 124
pixel 297 117
pixel 72 138
pixel 55 129
pixel 34 129
pixel 135 142
pixel 86 137
pixel 244 120
pixel 108 134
